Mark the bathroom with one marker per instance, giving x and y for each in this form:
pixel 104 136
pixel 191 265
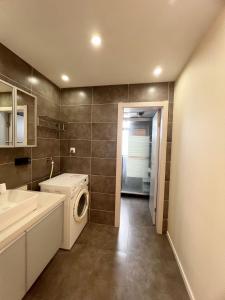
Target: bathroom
pixel 69 112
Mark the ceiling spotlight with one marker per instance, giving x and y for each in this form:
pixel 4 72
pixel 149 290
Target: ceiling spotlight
pixel 172 2
pixel 33 80
pixel 65 77
pixel 96 40
pixel 157 71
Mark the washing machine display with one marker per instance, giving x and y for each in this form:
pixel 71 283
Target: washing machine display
pixel 81 205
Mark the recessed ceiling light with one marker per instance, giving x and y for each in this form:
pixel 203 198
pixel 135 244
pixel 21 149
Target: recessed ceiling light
pixel 157 71
pixel 33 80
pixel 65 77
pixel 172 2
pixel 96 40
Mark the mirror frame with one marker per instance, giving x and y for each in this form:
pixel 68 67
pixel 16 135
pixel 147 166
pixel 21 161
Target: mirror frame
pixel 18 145
pixel 14 114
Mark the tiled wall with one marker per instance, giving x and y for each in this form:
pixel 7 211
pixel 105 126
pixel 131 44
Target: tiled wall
pixel 91 114
pixel 17 72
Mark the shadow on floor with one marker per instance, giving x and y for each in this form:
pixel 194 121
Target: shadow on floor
pixel 109 264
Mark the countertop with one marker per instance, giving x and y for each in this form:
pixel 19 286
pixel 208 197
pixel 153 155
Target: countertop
pixel 46 203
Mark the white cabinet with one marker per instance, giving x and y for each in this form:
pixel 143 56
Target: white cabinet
pixel 24 259
pixel 13 270
pixel 43 241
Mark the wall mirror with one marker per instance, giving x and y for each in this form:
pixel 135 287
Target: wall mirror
pixel 18 114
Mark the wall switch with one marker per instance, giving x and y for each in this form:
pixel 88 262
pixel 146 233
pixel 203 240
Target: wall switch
pixel 72 150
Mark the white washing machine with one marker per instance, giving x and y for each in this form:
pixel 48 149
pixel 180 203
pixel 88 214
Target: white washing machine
pixel 75 187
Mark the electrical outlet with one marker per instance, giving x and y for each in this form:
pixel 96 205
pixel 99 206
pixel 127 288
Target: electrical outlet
pixel 72 150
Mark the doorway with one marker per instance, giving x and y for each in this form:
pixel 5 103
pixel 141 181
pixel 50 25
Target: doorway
pixel 141 156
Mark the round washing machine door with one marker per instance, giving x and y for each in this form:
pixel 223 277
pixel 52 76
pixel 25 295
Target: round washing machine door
pixel 81 205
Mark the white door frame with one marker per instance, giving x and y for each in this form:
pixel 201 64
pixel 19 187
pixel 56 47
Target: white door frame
pixel 163 106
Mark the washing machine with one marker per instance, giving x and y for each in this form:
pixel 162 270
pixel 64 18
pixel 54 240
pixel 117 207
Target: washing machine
pixel 75 187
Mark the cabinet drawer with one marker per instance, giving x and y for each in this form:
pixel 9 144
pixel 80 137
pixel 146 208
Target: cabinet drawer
pixel 12 270
pixel 43 240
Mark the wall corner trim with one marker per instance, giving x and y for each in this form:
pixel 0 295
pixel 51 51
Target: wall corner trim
pixel 186 282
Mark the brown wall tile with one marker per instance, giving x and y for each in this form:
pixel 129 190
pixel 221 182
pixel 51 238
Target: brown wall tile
pixel 75 165
pixel 8 155
pixel 35 184
pixel 148 92
pixel 165 209
pixel 169 132
pixel 80 113
pixel 168 151
pixel 104 132
pixel 42 167
pixel 76 131
pixel 14 67
pixel 46 148
pixel 83 148
pixel 171 91
pixel 170 113
pixel 102 184
pixel 110 94
pixel 103 166
pixel 17 72
pixel 76 96
pixel 103 201
pixel 166 190
pixel 165 225
pixel 168 171
pixel 104 113
pixel 47 108
pixel 15 176
pixel 46 88
pixel 105 149
pixel 102 217
pixel 44 132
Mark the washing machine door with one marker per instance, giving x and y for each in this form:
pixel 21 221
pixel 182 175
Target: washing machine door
pixel 81 205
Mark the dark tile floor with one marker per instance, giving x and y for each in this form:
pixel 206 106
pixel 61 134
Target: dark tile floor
pixel 133 263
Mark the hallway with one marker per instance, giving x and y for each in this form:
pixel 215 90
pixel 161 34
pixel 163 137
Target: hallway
pixel 132 263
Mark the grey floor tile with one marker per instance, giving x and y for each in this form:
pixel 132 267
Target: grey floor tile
pixel 107 263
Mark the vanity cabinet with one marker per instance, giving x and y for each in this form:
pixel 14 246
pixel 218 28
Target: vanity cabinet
pixel 13 270
pixel 18 117
pixel 43 241
pixel 24 259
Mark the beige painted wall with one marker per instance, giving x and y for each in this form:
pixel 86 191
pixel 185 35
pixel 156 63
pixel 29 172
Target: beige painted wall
pixel 197 188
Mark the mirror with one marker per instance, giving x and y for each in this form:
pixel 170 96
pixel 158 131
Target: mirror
pixel 6 115
pixel 25 119
pixel 18 115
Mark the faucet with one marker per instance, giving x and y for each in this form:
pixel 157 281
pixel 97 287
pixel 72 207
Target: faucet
pixel 2 188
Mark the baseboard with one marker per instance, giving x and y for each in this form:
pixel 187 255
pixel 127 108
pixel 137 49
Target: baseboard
pixel 187 285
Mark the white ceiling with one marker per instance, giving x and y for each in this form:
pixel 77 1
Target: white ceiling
pixel 54 37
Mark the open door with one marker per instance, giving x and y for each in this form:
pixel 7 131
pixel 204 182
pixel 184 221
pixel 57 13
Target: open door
pixel 154 165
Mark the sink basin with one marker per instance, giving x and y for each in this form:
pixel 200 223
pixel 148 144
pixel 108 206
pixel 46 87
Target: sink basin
pixel 14 205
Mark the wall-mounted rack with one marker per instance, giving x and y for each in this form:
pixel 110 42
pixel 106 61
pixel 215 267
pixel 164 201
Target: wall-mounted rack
pixel 52 123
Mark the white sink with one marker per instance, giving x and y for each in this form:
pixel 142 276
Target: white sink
pixel 14 205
